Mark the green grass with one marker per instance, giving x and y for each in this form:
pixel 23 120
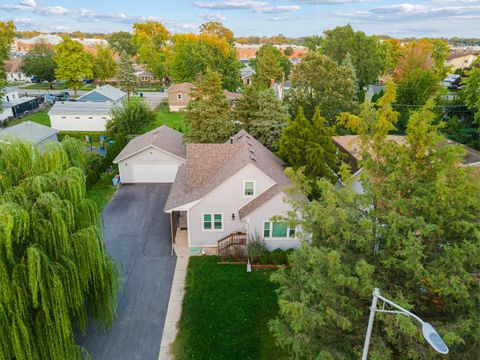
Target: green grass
pixel 165 117
pixel 102 192
pixel 44 86
pixel 225 313
pixel 40 117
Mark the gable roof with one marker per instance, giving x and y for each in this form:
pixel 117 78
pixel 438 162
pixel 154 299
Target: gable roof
pixel 28 131
pixel 102 108
pixel 261 199
pixel 209 165
pixel 163 137
pixel 108 91
pixel 182 87
pixel 246 72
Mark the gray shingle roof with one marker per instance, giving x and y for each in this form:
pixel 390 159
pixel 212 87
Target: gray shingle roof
pixel 162 137
pixel 209 165
pixel 28 131
pixel 82 108
pixel 107 90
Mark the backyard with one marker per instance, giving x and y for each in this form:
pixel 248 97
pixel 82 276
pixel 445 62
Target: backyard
pixel 102 191
pixel 225 313
pixel 165 117
pixel 40 117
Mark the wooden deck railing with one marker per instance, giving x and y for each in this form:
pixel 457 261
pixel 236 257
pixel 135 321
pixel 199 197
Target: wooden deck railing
pixel 237 238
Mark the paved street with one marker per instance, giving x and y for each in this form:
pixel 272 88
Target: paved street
pixel 137 235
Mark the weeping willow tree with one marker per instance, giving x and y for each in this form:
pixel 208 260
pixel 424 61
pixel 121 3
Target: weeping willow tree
pixel 54 271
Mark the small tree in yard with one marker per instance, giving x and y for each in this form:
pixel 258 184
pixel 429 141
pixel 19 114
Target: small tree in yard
pixel 208 117
pixel 414 233
pixel 130 119
pixel 73 63
pixel 262 114
pixel 126 78
pixel 52 256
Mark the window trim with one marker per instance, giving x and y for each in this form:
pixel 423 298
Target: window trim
pixel 270 230
pixel 254 188
pixel 212 214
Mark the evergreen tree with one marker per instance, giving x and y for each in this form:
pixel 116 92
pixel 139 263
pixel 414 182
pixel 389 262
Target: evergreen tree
pixel 130 119
pixel 262 114
pixel 52 257
pixel 348 64
pixel 208 116
pixel 126 78
pixel 309 145
pixel 413 233
pixel 73 63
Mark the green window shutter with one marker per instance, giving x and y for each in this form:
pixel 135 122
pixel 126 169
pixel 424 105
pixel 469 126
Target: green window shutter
pixel 279 229
pixel 266 229
pixel 207 221
pixel 217 221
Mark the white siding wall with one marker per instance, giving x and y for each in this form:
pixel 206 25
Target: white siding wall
pixel 152 156
pixel 274 207
pixel 79 122
pixel 6 113
pixel 226 199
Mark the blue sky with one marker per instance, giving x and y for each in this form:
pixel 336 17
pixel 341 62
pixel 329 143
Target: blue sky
pixel 439 18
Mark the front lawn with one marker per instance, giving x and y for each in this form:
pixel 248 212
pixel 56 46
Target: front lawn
pixel 40 117
pixel 165 117
pixel 225 313
pixel 102 192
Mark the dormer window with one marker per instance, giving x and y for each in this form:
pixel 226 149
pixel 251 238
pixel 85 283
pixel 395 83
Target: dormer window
pixel 248 188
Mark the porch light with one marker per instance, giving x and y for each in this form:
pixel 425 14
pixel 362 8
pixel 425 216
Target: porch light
pixel 233 217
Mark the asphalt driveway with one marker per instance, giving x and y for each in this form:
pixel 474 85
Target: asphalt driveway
pixel 137 235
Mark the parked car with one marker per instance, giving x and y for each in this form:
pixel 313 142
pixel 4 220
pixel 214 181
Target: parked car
pixel 50 98
pixel 35 79
pixel 63 96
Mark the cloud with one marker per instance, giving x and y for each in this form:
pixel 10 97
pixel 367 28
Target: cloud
pixel 214 16
pixel 30 3
pixel 256 6
pixel 330 2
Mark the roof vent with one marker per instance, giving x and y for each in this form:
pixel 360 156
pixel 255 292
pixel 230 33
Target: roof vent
pixel 249 143
pixel 231 140
pixel 253 152
pixel 253 158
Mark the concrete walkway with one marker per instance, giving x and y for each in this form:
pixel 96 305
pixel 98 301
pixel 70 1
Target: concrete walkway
pixel 177 292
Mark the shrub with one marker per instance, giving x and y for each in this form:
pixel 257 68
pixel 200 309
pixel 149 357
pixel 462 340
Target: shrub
pixel 130 119
pixel 256 247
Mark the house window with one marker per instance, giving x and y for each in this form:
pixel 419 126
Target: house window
pixel 272 229
pixel 248 188
pixel 77 117
pixel 179 96
pixel 212 222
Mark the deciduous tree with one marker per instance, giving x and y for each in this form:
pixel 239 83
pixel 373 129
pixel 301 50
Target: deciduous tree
pixel 364 50
pixel 39 62
pixel 471 94
pixel 121 42
pixel 73 63
pixel 269 65
pixel 208 117
pixel 413 233
pixel 52 256
pixel 104 66
pixel 320 81
pixel 130 119
pixel 217 28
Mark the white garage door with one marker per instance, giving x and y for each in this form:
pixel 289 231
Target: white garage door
pixel 154 173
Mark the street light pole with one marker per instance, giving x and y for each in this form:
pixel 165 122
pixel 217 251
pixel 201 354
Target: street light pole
pixel 429 333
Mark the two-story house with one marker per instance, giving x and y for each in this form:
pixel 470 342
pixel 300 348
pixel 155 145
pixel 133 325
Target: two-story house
pixel 218 189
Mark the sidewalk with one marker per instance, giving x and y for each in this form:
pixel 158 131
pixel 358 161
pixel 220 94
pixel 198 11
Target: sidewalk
pixel 176 296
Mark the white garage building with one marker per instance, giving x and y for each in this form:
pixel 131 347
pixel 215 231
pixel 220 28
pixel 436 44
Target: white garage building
pixel 81 116
pixel 153 157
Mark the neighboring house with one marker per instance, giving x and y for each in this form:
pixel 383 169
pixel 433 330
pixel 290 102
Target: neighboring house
pixel 146 77
pixel 153 157
pixel 103 93
pixel 247 74
pixel 13 71
pixel 179 96
pixel 231 191
pixel 81 116
pixel 35 133
pixel 372 90
pixel 23 46
pixel 15 106
pixel 461 59
pixel 350 145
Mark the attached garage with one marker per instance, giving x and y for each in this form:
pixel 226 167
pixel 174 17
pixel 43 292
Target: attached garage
pixel 153 157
